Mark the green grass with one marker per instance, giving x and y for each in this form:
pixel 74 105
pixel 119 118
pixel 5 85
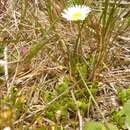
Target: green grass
pixel 63 75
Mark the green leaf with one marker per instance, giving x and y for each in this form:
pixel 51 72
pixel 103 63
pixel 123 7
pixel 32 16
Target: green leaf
pixel 34 51
pixel 129 20
pixel 112 127
pixel 98 126
pixel 124 95
pixel 127 108
pixel 63 86
pixel 127 111
pixel 94 126
pixel 83 69
pixel 119 118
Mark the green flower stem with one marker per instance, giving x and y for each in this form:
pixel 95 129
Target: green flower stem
pixel 77 46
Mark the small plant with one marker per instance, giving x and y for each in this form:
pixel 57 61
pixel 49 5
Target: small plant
pixel 98 126
pixel 121 117
pixel 127 114
pixel 61 61
pixel 124 95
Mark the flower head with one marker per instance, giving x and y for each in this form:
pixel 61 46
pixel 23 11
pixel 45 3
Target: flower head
pixel 76 12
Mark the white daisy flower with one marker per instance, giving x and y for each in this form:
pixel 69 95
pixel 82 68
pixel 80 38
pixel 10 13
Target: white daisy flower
pixel 7 128
pixel 76 12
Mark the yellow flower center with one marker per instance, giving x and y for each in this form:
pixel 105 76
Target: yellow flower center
pixel 76 15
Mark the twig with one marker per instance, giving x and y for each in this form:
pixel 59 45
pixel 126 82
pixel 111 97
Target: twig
pixel 78 111
pixel 16 70
pixel 124 38
pixel 6 63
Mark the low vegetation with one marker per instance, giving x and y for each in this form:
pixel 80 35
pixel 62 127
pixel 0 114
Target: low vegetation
pixel 62 73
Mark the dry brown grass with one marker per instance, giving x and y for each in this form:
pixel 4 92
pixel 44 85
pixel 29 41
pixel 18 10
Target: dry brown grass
pixel 39 46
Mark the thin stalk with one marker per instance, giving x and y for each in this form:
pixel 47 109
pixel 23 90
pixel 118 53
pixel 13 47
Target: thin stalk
pixel 78 41
pixel 6 63
pixel 104 41
pixel 78 111
pixel 94 101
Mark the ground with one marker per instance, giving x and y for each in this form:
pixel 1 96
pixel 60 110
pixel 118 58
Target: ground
pixel 58 74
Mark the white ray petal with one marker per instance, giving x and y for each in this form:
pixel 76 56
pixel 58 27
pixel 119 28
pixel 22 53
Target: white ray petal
pixel 76 12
